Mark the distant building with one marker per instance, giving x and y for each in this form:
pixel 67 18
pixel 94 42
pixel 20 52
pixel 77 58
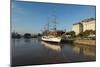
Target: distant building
pixel 87 24
pixel 77 28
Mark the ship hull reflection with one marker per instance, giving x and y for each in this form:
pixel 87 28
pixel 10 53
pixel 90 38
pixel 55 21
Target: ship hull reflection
pixel 52 46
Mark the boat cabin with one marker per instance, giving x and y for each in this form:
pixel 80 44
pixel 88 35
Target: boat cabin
pixel 53 33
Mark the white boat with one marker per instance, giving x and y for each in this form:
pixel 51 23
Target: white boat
pixel 51 39
pixel 51 35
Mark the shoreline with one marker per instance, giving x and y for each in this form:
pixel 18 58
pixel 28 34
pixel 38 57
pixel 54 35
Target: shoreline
pixel 85 42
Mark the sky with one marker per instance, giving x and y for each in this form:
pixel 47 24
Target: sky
pixel 30 17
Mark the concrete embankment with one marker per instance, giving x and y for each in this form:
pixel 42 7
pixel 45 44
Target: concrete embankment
pixel 85 42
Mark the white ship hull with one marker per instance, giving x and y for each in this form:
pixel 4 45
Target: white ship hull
pixel 51 39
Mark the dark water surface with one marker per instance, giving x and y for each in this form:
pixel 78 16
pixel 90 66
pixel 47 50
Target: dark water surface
pixel 34 51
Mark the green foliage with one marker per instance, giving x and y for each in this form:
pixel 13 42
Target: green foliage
pixel 86 33
pixel 15 35
pixel 27 35
pixel 72 33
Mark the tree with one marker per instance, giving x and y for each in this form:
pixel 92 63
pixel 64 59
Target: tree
pixel 15 35
pixel 86 33
pixel 72 33
pixel 27 35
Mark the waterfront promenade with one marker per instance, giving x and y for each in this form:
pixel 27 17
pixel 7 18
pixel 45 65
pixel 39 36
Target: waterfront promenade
pixel 85 42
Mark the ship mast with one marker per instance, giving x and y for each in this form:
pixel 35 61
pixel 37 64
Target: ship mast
pixel 55 23
pixel 13 24
pixel 54 20
pixel 48 26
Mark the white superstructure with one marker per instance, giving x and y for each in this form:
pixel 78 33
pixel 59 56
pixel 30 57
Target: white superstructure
pixel 51 39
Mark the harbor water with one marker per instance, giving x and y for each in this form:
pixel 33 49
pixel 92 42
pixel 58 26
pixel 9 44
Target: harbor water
pixel 35 52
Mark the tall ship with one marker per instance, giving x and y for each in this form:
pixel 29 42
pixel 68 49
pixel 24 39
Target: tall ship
pixel 52 35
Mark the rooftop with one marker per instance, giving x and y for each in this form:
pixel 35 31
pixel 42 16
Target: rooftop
pixel 85 20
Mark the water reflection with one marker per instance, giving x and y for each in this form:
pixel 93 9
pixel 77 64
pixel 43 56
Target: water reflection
pixel 15 42
pixel 27 40
pixel 35 51
pixel 52 46
pixel 85 50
